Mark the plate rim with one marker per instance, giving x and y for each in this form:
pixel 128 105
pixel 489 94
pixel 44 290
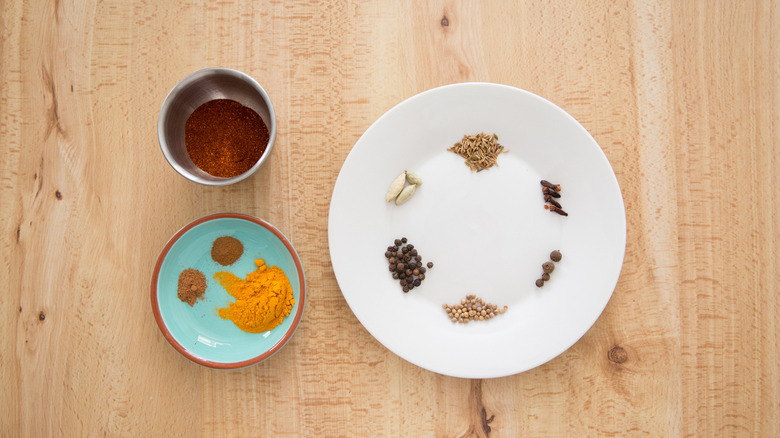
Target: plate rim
pixel 600 153
pixel 156 307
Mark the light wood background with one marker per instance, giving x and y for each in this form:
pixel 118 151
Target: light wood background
pixel 683 97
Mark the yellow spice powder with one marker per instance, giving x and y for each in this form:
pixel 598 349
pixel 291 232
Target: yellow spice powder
pixel 263 299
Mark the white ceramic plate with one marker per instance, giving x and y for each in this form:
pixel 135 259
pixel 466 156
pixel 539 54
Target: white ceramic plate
pixel 487 233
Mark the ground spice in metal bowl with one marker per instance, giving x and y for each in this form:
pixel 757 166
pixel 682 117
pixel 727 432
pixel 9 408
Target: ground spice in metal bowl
pixel 224 138
pixel 192 286
pixel 226 250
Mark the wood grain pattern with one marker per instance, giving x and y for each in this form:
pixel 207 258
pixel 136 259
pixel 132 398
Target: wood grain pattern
pixel 682 96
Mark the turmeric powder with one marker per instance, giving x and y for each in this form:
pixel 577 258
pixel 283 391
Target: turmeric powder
pixel 263 299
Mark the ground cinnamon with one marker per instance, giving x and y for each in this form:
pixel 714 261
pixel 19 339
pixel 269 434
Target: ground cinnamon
pixel 224 138
pixel 226 250
pixel 192 286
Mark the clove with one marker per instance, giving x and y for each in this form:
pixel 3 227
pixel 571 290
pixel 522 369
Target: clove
pixel 558 210
pixel 551 192
pixel 552 201
pixel 549 185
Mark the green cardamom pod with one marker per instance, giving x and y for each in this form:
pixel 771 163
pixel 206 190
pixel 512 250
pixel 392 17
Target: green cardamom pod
pixel 405 195
pixel 395 187
pixel 413 178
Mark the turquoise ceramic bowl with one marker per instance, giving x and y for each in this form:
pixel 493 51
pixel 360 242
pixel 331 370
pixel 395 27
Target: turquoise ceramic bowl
pixel 197 331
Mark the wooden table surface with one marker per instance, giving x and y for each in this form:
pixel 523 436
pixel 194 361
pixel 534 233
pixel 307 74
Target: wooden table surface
pixel 682 96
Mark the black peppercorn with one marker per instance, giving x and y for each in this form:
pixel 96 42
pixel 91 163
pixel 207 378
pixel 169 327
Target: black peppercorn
pixel 556 256
pixel 400 266
pixel 403 283
pixel 388 254
pixel 406 289
pixel 422 269
pixel 395 276
pixel 546 277
pixel 397 242
pixel 417 282
pixel 408 272
pixel 430 265
pixel 392 260
pixel 403 240
pixel 548 267
pixel 539 283
pixel 422 277
pixel 418 258
pixel 405 249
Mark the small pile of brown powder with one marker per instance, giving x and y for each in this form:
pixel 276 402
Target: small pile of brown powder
pixel 226 250
pixel 192 286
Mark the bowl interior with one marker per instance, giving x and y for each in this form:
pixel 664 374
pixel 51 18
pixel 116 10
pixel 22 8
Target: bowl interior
pixel 194 91
pixel 199 332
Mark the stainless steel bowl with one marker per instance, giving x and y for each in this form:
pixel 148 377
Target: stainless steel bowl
pixel 195 90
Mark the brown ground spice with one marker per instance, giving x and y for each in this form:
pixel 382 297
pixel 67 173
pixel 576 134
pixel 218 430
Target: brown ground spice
pixel 226 250
pixel 192 286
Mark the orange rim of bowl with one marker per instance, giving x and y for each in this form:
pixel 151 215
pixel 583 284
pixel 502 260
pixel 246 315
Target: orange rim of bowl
pixel 276 347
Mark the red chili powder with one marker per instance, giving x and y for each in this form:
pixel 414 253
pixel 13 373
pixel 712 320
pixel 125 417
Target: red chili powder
pixel 225 138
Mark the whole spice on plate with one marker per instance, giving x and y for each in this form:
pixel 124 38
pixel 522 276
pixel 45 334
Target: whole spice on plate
pixel 226 250
pixel 472 308
pixel 558 210
pixel 480 151
pixel 549 267
pixel 263 299
pixel 405 195
pixel 398 189
pixel 192 286
pixel 224 138
pixel 550 193
pixel 413 178
pixel 405 263
pixel 395 187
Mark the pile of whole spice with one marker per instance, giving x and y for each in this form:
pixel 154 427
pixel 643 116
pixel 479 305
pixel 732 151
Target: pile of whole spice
pixel 224 138
pixel 472 308
pixel 401 192
pixel 226 250
pixel 480 151
pixel 550 193
pixel 192 286
pixel 406 264
pixel 548 267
